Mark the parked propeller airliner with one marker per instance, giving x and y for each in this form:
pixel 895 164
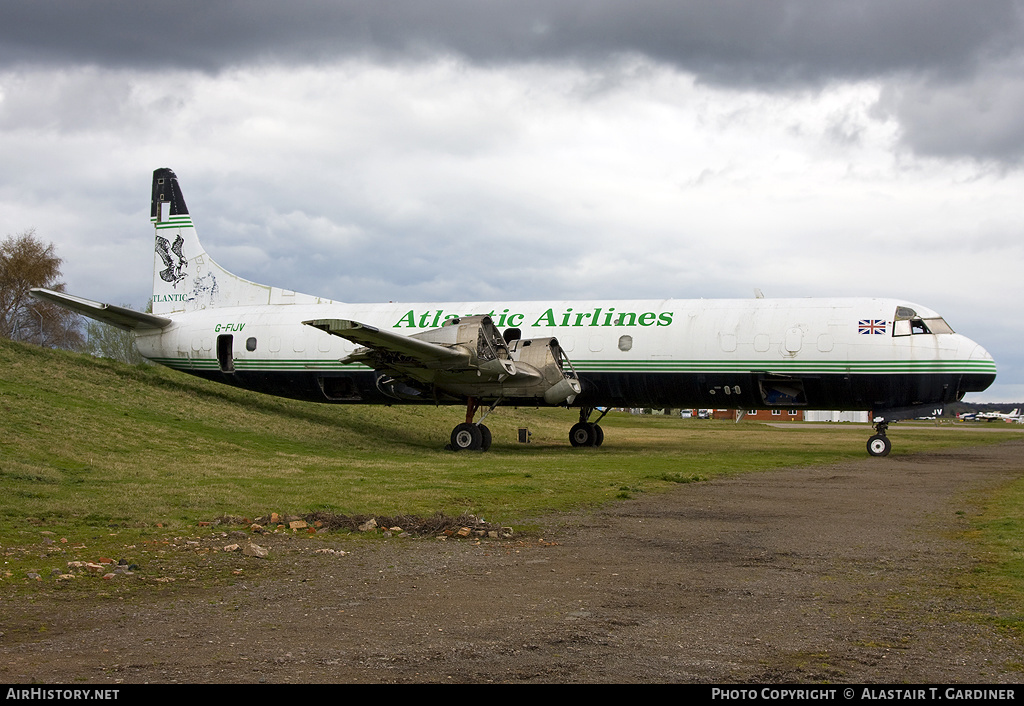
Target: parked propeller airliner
pixel 897 359
pixel 999 416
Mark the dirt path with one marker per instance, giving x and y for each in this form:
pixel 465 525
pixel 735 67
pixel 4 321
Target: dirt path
pixel 839 573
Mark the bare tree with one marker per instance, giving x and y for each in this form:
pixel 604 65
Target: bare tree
pixel 106 341
pixel 27 262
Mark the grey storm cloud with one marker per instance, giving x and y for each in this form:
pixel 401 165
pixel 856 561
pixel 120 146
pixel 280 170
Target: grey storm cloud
pixel 943 62
pixel 727 41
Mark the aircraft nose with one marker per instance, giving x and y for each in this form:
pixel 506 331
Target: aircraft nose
pixel 974 352
pixel 979 367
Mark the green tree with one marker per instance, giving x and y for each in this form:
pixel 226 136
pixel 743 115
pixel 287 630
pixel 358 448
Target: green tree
pixel 27 262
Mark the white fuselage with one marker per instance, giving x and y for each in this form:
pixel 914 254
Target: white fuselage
pixel 717 344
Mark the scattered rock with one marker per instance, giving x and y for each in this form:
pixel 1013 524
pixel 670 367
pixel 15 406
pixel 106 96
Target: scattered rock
pixel 368 525
pixel 255 550
pixel 402 525
pixel 336 552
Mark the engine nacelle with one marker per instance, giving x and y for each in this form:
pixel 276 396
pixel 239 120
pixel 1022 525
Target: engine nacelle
pixel 552 373
pixel 479 338
pixel 466 357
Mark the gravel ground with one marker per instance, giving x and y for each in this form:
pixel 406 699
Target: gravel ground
pixel 846 573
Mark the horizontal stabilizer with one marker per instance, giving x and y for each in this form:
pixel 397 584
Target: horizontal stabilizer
pixel 119 316
pixel 428 354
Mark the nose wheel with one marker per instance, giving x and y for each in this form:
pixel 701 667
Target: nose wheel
pixel 879 444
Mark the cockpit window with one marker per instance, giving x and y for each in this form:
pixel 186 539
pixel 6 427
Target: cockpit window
pixel 908 323
pixel 938 325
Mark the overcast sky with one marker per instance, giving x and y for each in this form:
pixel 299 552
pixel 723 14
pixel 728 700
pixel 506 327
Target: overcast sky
pixel 462 149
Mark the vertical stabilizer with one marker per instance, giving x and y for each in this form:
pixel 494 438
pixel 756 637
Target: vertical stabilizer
pixel 185 278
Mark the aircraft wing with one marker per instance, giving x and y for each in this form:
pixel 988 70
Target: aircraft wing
pixel 424 353
pixel 119 316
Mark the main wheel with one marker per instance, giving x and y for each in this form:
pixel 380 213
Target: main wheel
pixel 467 437
pixel 879 445
pixel 485 437
pixel 583 434
pixel 598 435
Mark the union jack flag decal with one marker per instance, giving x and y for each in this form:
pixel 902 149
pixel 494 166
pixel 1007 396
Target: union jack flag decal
pixel 871 326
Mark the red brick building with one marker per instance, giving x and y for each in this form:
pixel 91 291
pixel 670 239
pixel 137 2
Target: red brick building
pixel 759 415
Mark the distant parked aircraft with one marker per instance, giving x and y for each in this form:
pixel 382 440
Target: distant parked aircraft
pixel 999 416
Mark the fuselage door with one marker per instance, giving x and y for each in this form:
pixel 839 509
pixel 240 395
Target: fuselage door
pixel 794 340
pixel 225 353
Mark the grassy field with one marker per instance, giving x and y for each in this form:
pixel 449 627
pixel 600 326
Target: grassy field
pixel 94 442
pixel 999 534
pixel 89 445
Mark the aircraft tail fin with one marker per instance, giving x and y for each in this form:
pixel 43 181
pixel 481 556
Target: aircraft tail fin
pixel 185 277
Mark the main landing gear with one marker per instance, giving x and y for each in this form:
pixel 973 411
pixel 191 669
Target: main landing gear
pixel 586 433
pixel 470 435
pixel 474 436
pixel 879 444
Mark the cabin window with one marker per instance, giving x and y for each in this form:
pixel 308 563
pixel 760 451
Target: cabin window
pixel 625 343
pixel 250 344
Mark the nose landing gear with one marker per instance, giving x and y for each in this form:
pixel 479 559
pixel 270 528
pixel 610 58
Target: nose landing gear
pixel 879 444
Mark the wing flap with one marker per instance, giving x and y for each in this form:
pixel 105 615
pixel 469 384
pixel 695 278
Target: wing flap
pixel 119 316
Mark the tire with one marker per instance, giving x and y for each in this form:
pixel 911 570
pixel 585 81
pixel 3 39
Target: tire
pixel 879 445
pixel 598 435
pixel 466 437
pixel 485 437
pixel 583 434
